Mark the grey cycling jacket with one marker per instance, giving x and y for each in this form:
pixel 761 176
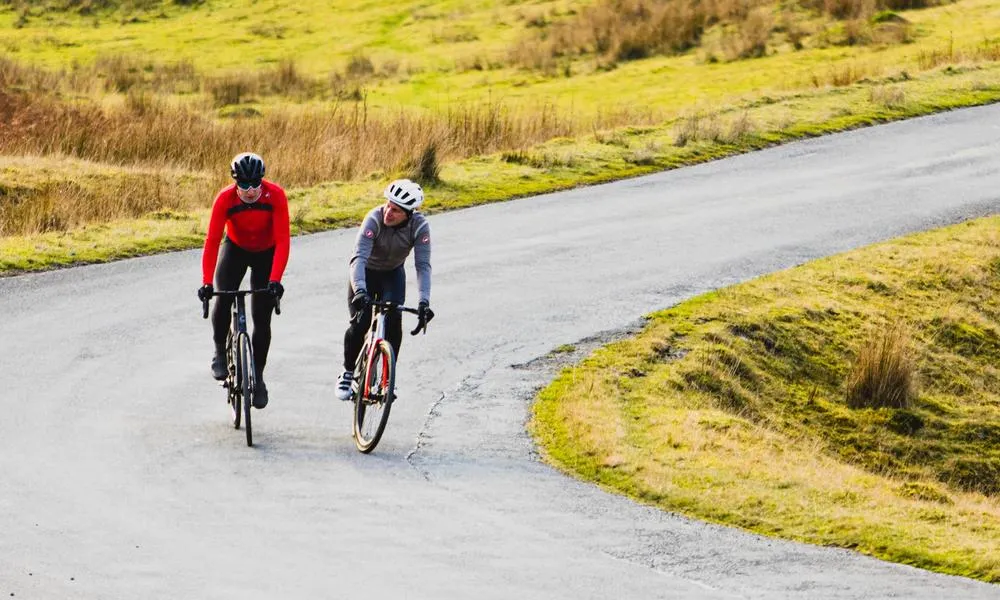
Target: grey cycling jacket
pixel 386 248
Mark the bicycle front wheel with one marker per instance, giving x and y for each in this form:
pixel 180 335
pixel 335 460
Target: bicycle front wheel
pixel 248 381
pixel 374 397
pixel 231 388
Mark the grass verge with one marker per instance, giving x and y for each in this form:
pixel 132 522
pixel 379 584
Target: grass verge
pixel 741 406
pixel 557 164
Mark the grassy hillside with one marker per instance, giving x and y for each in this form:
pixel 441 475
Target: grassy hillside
pixel 853 401
pixel 339 95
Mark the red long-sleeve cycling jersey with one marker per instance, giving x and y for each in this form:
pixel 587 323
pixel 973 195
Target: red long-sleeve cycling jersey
pixel 253 227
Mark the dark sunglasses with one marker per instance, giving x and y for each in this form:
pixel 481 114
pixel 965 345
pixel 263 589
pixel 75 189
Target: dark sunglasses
pixel 246 185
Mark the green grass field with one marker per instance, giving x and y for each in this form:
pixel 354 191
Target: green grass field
pixel 733 407
pixel 339 97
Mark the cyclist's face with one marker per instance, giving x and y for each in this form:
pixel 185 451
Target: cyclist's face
pixel 248 191
pixel 393 215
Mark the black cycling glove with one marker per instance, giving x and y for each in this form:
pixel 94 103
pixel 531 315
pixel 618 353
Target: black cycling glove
pixel 360 301
pixel 424 312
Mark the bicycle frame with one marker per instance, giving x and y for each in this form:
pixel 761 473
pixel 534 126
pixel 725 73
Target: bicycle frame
pixel 240 381
pixel 376 332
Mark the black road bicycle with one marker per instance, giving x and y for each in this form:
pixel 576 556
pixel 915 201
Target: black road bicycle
pixel 241 381
pixel 372 390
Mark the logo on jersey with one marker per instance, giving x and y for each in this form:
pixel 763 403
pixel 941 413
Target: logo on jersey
pixel 425 240
pixel 369 233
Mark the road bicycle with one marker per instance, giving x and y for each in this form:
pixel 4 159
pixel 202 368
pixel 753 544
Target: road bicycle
pixel 241 380
pixel 374 383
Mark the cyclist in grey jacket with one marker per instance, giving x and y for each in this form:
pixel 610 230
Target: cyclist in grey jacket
pixel 385 238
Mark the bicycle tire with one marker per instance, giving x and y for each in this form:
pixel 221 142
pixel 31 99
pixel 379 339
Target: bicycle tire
pixel 233 396
pixel 373 400
pixel 247 383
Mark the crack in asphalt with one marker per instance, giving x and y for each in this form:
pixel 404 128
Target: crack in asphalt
pixel 432 412
pixel 422 436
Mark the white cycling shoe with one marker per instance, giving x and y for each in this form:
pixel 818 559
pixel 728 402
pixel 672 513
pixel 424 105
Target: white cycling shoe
pixel 344 386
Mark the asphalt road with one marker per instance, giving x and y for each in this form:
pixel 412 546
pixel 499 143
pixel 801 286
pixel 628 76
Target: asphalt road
pixel 121 476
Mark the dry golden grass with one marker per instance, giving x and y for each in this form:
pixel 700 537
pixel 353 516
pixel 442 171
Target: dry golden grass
pixel 749 37
pixel 148 132
pixel 882 376
pixel 39 194
pixel 889 96
pixel 341 142
pixel 622 30
pixel 113 73
pixel 714 127
pixel 845 9
pixel 846 74
pixel 865 9
pixel 618 30
pixel 987 51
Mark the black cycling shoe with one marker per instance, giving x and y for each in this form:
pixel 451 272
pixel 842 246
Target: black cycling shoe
pixel 219 368
pixel 260 394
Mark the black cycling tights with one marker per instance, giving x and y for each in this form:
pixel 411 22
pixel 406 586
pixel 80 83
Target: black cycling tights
pixel 389 286
pixel 232 266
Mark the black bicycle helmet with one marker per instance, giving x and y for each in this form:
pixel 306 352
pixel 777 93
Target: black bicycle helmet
pixel 247 167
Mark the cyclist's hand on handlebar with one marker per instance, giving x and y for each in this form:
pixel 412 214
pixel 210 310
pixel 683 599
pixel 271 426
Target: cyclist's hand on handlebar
pixel 424 312
pixel 360 301
pixel 205 292
pixel 277 290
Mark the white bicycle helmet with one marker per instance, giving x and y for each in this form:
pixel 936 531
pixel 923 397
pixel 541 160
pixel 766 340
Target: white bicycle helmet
pixel 405 194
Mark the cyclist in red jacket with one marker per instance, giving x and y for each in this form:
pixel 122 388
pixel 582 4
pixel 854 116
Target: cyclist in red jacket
pixel 254 213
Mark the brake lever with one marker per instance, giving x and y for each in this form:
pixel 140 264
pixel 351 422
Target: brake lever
pixel 421 325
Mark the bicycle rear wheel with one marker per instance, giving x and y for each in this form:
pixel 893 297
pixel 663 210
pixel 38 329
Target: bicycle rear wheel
pixel 247 382
pixel 374 398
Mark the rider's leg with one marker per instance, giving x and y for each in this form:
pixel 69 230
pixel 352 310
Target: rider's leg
pixel 261 307
pixel 231 267
pixel 354 337
pixel 394 290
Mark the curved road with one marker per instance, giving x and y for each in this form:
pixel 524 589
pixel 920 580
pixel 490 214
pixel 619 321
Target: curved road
pixel 120 476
